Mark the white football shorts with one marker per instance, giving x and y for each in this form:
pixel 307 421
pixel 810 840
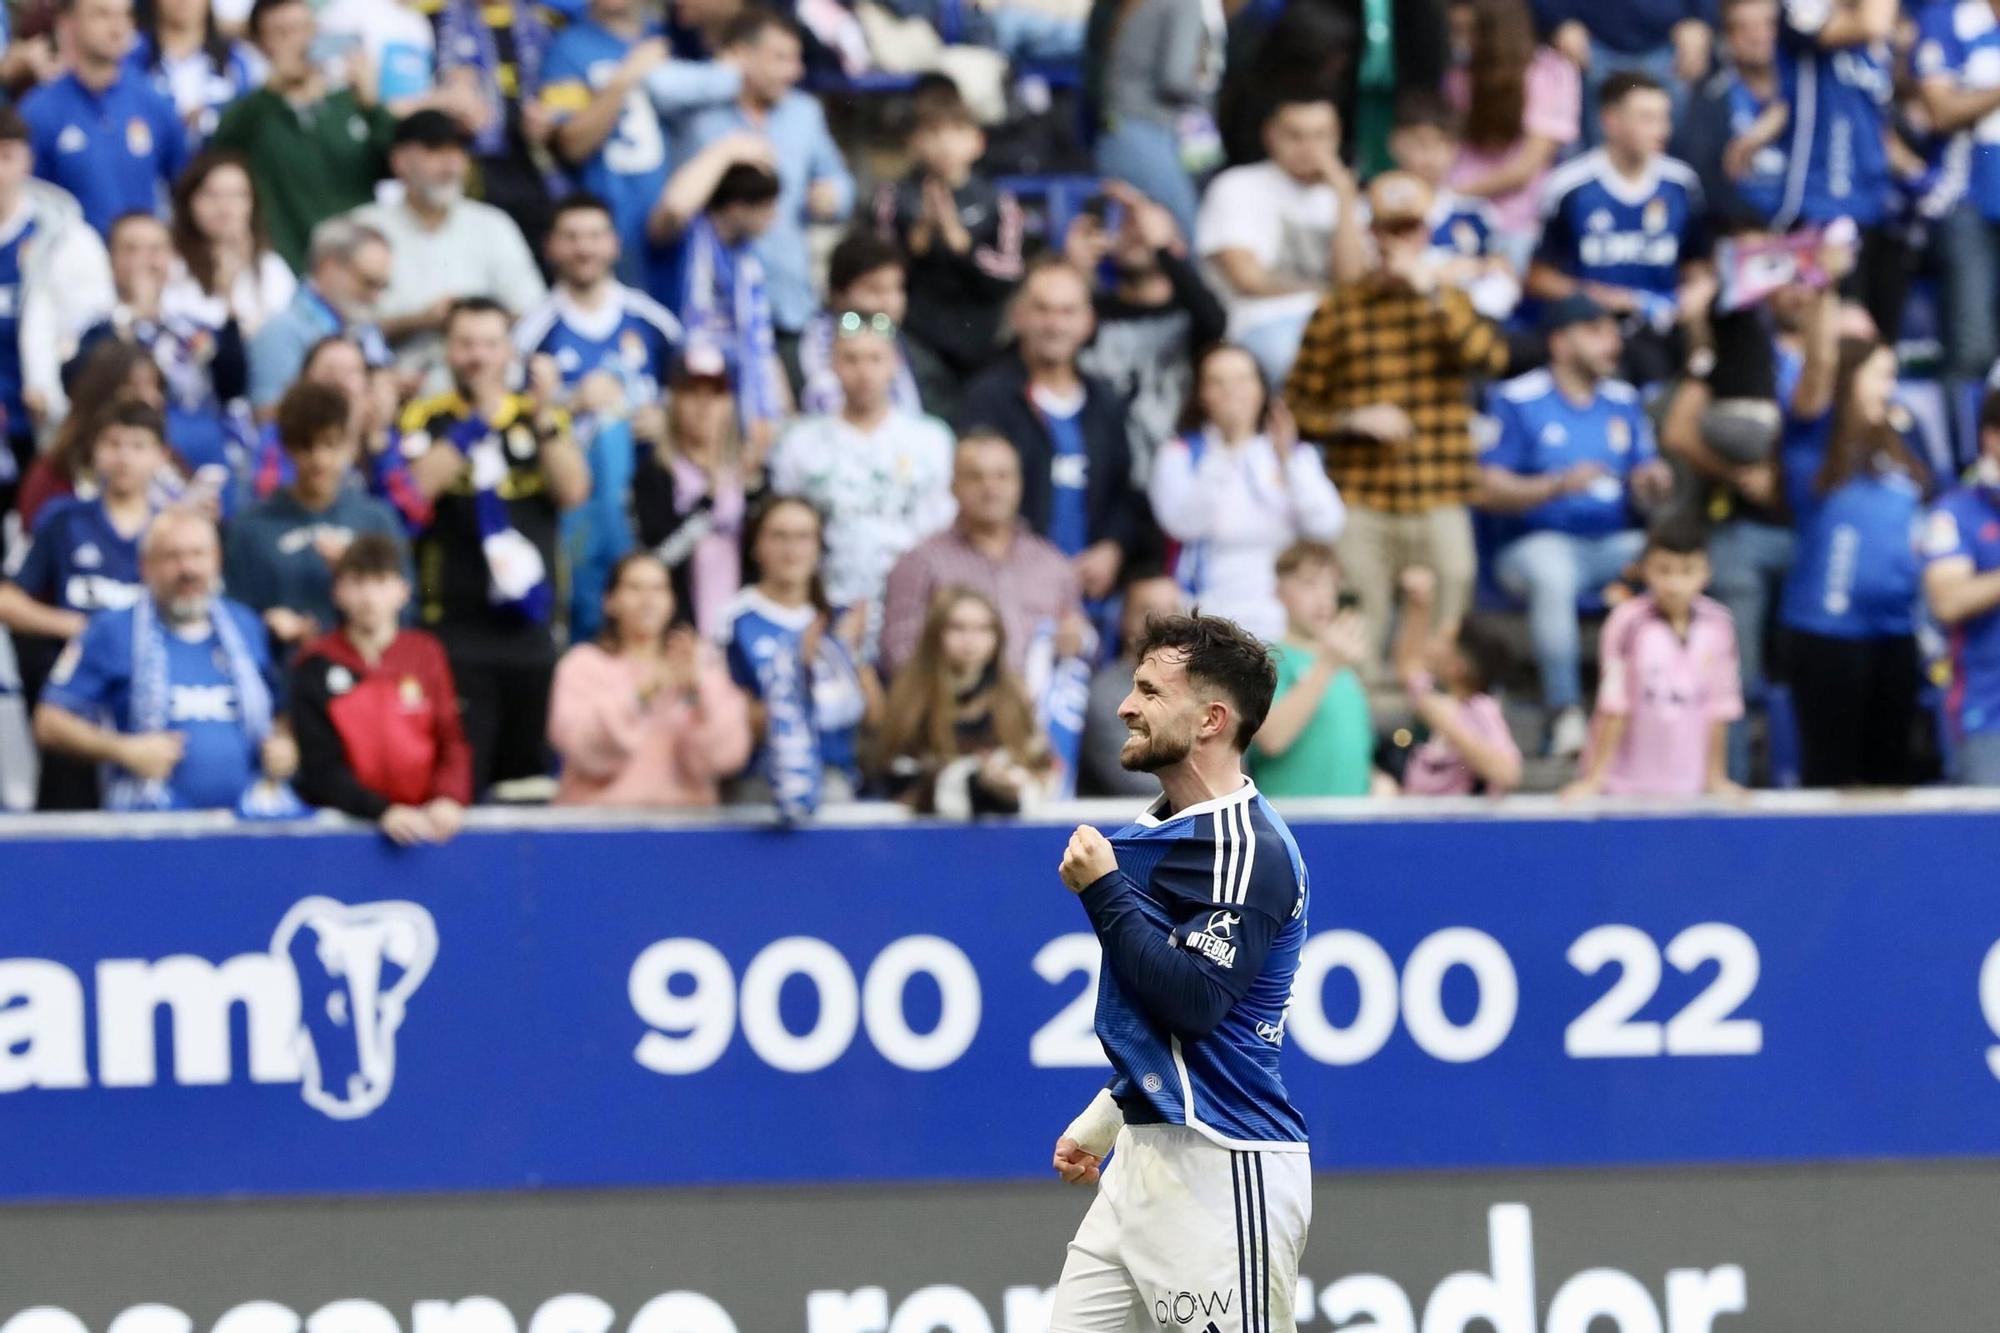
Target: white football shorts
pixel 1190 1236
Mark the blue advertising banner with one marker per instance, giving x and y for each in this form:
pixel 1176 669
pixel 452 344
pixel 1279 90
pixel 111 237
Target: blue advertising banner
pixel 277 1015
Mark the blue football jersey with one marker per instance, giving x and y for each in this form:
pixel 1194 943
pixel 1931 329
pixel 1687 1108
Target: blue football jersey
pixel 1959 40
pixel 1534 429
pixel 1224 882
pixel 77 561
pixel 1965 525
pixel 1597 226
pixel 758 630
pixel 1854 572
pixel 1461 226
pixel 632 337
pixel 115 151
pixel 1762 188
pixel 13 239
pixel 629 168
pixel 93 679
pixel 1840 103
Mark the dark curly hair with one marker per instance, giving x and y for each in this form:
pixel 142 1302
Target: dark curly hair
pixel 1221 655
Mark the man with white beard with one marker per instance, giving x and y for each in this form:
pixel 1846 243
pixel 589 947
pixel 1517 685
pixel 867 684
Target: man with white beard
pixel 174 695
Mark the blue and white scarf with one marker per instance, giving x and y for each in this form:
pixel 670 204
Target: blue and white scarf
pixel 517 576
pixel 151 691
pixel 1060 687
pixel 792 764
pixel 466 42
pixel 726 303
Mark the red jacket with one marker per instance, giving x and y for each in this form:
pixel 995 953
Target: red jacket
pixel 372 737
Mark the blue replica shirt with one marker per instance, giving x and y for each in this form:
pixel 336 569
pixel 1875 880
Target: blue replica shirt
pixel 1762 188
pixel 1536 429
pixel 1854 569
pixel 93 679
pixel 1837 166
pixel 632 337
pixel 116 151
pixel 806 154
pixel 1069 499
pixel 14 237
pixel 1201 925
pixel 1960 40
pixel 1598 226
pixel 759 630
pixel 629 168
pixel 1965 525
pixel 78 561
pixel 1461 227
pixel 198 90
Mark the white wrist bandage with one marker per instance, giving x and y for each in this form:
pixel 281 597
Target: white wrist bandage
pixel 1097 1128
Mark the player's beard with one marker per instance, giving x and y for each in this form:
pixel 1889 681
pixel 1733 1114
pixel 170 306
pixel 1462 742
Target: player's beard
pixel 1149 752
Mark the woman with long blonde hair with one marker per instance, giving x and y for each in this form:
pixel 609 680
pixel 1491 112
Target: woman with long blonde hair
pixel 959 736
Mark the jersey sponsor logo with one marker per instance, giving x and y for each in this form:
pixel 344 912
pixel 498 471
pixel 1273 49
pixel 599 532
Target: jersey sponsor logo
pixel 1185 1307
pixel 1070 471
pixel 95 592
pixel 321 1008
pixel 1216 941
pixel 1604 249
pixel 201 703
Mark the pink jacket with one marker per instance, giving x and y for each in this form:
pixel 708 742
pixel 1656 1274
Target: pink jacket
pixel 670 752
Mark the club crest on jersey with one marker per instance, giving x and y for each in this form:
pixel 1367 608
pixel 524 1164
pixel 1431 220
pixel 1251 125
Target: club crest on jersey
pixel 1216 940
pixel 138 137
pixel 1654 218
pixel 1619 431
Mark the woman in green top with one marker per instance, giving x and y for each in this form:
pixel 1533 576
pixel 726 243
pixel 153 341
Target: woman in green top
pixel 1318 739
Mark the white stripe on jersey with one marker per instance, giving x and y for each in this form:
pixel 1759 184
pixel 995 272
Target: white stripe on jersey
pixel 1215 895
pixel 1231 883
pixel 1249 853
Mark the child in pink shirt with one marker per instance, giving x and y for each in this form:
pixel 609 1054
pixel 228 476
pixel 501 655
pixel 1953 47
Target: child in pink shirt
pixel 1449 676
pixel 1669 686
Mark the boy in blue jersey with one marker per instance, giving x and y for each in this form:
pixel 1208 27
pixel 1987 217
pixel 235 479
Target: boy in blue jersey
pixel 591 322
pixel 175 694
pixel 1622 223
pixel 102 131
pixel 1836 71
pixel 1424 142
pixel 1961 552
pixel 1571 464
pixel 1200 905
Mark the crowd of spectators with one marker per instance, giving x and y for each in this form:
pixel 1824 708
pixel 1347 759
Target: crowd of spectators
pixel 416 403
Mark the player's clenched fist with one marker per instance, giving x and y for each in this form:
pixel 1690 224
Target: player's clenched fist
pixel 1074 1165
pixel 1088 858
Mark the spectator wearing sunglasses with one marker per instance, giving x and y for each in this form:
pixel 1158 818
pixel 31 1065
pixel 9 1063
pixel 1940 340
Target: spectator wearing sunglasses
pixel 1382 379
